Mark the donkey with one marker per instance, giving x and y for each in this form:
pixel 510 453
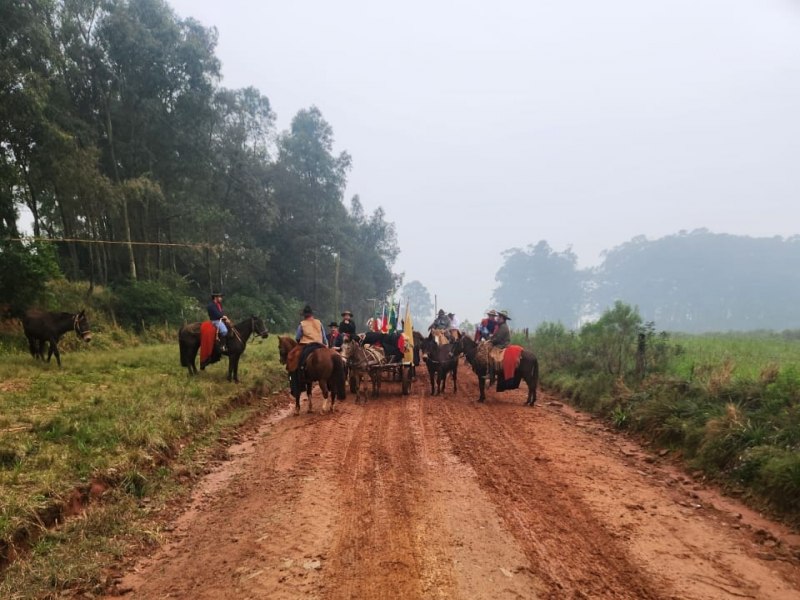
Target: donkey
pixel 440 360
pixel 41 326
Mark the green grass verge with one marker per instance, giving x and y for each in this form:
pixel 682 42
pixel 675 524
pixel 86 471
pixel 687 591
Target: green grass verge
pixel 113 423
pixel 728 404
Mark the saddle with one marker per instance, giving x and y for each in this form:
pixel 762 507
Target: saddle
pixel 505 361
pixel 296 359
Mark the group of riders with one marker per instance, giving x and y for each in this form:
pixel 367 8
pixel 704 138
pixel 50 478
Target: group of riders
pixel 493 328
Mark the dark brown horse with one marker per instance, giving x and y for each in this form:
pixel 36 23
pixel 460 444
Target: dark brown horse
pixel 235 342
pixel 41 326
pixel 478 358
pixel 322 365
pixel 440 359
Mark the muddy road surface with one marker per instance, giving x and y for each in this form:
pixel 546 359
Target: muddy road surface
pixel 441 497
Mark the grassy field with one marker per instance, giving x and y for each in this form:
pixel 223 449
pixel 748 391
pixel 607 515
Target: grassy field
pixel 107 429
pixel 747 356
pixel 728 405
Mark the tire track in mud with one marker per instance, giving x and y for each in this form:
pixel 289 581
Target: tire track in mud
pixel 375 554
pixel 440 497
pixel 568 548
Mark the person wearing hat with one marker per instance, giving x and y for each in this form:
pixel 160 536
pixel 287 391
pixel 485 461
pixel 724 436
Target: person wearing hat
pixel 498 341
pixel 502 335
pixel 487 326
pixel 442 321
pixel 347 328
pixel 310 330
pixel 217 317
pixel 334 336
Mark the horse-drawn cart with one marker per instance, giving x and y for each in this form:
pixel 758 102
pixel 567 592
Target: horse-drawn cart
pixel 375 356
pixel 392 371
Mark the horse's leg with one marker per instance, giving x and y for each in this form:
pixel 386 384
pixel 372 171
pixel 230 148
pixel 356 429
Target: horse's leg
pixel 192 357
pixel 54 350
pixel 455 377
pixel 309 385
pixel 482 388
pixel 294 386
pixel 233 366
pixel 323 386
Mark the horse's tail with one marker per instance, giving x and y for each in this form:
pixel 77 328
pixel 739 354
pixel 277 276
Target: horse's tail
pixel 338 377
pixel 184 350
pixel 534 380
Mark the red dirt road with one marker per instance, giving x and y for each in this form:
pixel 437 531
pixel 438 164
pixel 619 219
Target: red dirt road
pixel 422 497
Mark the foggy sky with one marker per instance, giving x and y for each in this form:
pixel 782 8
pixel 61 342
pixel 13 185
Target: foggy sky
pixel 482 126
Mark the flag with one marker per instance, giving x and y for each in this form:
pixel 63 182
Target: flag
pixel 408 333
pixel 393 318
pixel 384 320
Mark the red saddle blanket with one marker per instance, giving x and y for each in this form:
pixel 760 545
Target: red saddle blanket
pixel 511 360
pixel 208 339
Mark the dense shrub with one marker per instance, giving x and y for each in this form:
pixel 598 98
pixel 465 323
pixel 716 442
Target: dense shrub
pixel 139 304
pixel 728 403
pixel 24 272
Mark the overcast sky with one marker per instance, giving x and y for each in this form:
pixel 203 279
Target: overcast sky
pixel 484 126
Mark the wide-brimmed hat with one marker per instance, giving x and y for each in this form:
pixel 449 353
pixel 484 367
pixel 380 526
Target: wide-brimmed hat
pixel 451 314
pixel 492 313
pixel 504 314
pixel 307 310
pixel 333 324
pixel 346 313
pixel 217 294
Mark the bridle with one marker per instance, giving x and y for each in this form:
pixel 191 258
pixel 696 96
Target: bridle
pixel 76 320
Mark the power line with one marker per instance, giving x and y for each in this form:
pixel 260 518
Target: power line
pixel 199 246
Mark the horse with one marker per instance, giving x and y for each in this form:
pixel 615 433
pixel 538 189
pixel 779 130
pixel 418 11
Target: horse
pixel 478 357
pixel 359 363
pixel 238 334
pixel 41 326
pixel 323 365
pixel 440 360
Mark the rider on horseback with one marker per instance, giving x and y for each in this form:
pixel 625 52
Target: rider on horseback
pixel 217 316
pixel 499 340
pixel 310 332
pixel 347 327
pixel 487 326
pixel 310 336
pixel 442 321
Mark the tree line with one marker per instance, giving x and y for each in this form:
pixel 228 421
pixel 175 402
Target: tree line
pixel 694 281
pixel 116 136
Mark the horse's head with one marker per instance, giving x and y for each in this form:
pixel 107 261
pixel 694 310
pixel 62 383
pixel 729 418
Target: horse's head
pixel 259 327
pixel 285 345
pixel 81 326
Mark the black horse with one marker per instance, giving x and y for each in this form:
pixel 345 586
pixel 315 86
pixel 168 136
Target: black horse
pixel 41 326
pixel 238 334
pixel 527 370
pixel 440 360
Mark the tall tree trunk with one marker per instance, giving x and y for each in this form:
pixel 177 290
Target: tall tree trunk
pixel 125 218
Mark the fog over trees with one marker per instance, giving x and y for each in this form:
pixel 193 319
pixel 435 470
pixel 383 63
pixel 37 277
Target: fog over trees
pixel 119 141
pixel 114 130
pixel 690 281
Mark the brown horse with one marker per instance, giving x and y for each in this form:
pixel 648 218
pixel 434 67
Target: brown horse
pixel 322 365
pixel 478 357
